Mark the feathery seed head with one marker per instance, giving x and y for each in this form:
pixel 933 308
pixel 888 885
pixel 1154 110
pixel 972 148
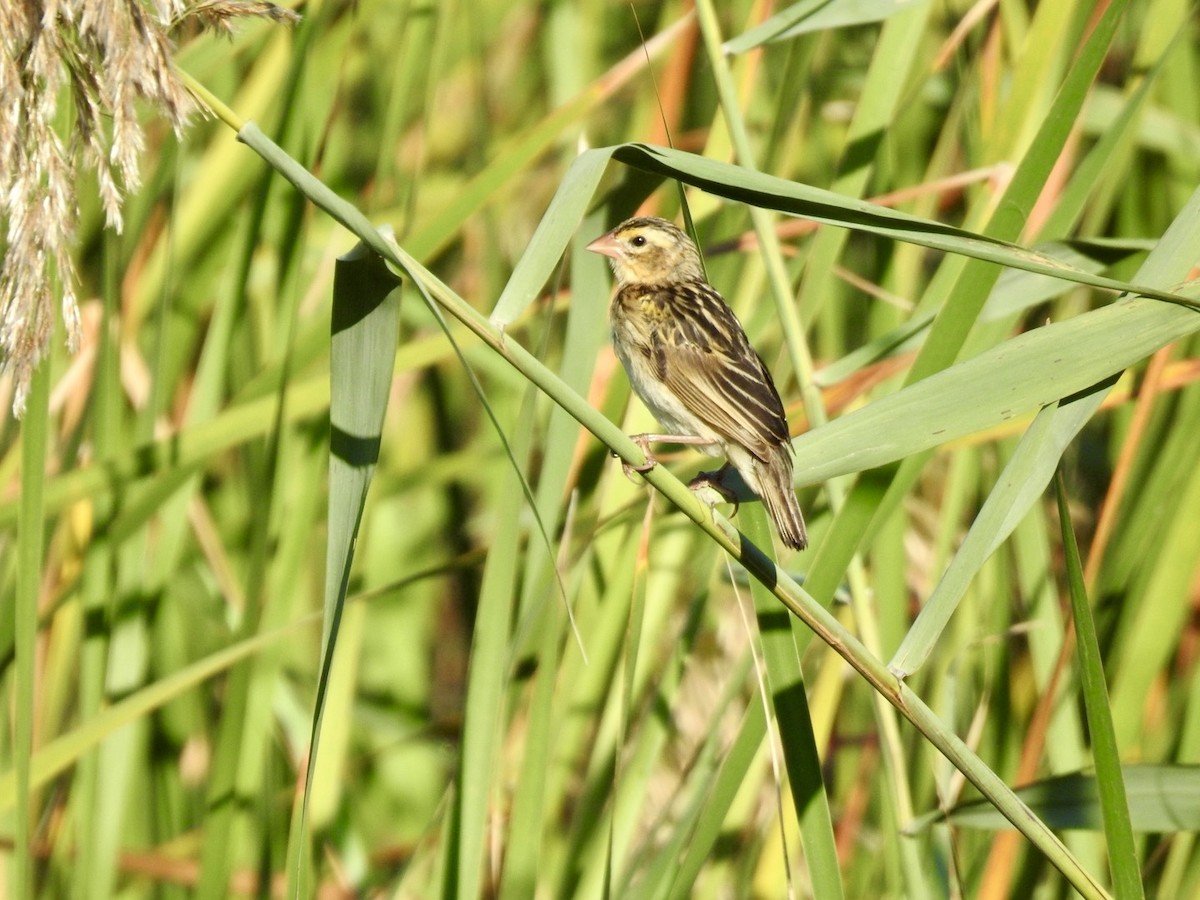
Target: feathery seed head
pixel 106 56
pixel 649 250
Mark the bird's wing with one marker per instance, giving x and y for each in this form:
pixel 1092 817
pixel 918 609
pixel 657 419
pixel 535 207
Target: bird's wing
pixel 706 360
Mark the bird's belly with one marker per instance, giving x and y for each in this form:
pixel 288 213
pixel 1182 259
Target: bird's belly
pixel 671 414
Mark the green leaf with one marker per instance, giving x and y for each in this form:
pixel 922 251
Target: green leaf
pixel 1163 799
pixel 770 192
pixel 784 681
pixel 1114 806
pixel 364 324
pixel 809 16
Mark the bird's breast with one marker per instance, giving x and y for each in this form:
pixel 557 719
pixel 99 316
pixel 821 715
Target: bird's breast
pixel 639 329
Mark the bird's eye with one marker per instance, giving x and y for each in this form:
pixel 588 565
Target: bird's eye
pixel 639 240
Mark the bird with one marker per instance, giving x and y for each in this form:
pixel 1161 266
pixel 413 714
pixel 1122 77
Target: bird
pixel 689 360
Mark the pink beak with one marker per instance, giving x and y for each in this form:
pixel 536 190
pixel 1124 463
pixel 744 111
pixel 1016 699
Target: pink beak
pixel 605 245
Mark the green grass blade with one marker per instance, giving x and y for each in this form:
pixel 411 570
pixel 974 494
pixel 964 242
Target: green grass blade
pixel 1030 469
pixel 1019 487
pixel 798 601
pixel 1031 370
pixel 770 192
pixel 549 241
pixel 816 15
pixel 58 755
pixel 486 683
pixel 1114 805
pixel 364 326
pixel 1163 799
pixel 30 553
pixel 766 191
pixel 785 685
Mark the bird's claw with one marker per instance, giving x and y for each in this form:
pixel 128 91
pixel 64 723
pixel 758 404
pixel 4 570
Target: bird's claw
pixel 714 481
pixel 629 468
pixel 643 441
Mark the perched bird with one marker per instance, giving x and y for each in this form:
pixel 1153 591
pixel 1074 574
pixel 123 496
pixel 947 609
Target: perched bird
pixel 689 359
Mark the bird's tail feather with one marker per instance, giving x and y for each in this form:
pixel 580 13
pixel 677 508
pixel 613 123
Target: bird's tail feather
pixel 779 496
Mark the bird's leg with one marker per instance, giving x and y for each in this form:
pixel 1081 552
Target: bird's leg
pixel 716 481
pixel 645 440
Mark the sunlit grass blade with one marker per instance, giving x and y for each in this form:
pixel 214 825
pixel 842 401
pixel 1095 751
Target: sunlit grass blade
pixel 784 682
pixel 488 675
pixel 1162 799
pixel 364 326
pixel 553 232
pixel 816 15
pixel 1033 369
pixel 770 192
pixel 1032 465
pixel 30 553
pixel 785 588
pixel 1020 485
pixel 1114 805
pixel 1015 292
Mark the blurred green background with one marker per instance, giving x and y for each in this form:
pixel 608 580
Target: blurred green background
pixel 188 451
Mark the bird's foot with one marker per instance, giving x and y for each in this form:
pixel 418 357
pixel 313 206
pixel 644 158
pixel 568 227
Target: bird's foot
pixel 715 481
pixel 643 441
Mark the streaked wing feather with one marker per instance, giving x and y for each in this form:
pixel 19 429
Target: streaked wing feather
pixel 715 372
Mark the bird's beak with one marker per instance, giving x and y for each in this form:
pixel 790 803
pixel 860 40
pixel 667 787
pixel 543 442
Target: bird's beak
pixel 605 245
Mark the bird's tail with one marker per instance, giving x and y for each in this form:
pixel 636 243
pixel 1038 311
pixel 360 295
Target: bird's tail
pixel 774 478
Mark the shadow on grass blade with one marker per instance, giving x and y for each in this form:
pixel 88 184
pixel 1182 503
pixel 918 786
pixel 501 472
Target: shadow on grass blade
pixel 365 320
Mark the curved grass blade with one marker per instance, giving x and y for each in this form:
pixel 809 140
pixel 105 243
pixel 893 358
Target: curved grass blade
pixel 770 192
pixel 1019 486
pixel 757 189
pixel 798 601
pixel 1032 370
pixel 554 231
pixel 1032 465
pixel 809 16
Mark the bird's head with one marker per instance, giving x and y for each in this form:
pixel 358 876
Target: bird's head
pixel 649 250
